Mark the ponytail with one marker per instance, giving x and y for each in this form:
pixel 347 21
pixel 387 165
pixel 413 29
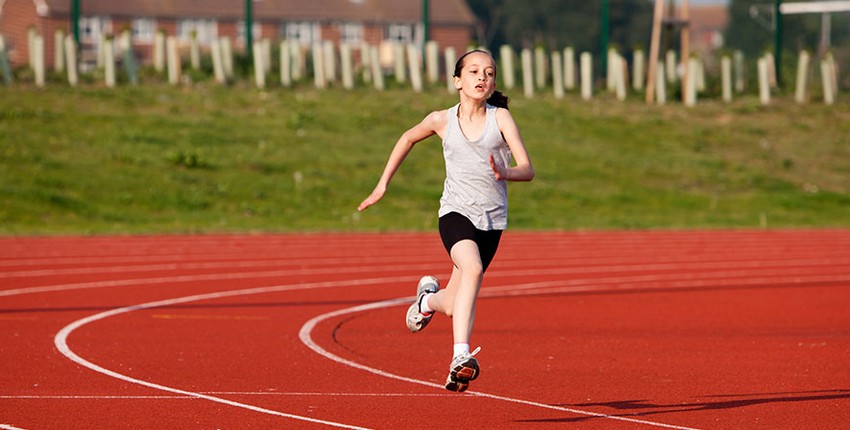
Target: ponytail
pixel 498 99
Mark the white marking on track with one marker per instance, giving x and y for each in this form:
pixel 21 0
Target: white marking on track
pixel 153 281
pixel 574 271
pixel 73 397
pixel 358 266
pixel 223 393
pixel 61 342
pixel 305 334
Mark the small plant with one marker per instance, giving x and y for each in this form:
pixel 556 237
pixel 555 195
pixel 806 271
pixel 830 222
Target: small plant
pixel 188 160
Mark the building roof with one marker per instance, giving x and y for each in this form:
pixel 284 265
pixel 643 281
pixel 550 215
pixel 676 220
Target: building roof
pixel 709 17
pixel 445 12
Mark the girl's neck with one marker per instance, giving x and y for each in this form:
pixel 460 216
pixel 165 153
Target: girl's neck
pixel 469 109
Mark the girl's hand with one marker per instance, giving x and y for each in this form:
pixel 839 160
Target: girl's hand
pixel 501 173
pixel 373 198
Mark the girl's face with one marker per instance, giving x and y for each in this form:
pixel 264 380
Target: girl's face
pixel 477 78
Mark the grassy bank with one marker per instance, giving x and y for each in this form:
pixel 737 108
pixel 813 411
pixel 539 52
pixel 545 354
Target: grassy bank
pixel 158 159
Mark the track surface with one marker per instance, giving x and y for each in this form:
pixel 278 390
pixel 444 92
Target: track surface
pixel 625 330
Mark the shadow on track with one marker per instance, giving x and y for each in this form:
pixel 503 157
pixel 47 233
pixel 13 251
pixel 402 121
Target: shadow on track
pixel 644 408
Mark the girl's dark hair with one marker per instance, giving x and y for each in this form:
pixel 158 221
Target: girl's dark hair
pixel 497 98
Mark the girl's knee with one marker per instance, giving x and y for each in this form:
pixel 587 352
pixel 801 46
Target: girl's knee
pixel 474 272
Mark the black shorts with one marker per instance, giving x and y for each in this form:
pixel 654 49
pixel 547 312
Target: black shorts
pixel 455 227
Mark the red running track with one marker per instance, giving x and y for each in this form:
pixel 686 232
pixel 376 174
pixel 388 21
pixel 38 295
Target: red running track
pixel 625 330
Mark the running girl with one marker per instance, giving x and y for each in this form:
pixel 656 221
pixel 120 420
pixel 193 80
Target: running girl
pixel 479 136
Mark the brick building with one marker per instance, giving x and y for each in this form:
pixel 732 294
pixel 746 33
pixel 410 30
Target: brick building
pixel 707 25
pixel 307 21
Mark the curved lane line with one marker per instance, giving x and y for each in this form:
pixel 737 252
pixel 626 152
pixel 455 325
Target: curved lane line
pixel 170 279
pixel 61 342
pixel 280 273
pixel 61 339
pixel 305 334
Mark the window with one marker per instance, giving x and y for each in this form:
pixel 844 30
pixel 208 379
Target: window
pixel 143 29
pixel 305 33
pixel 256 31
pixel 205 30
pixel 400 33
pixel 351 32
pixel 92 28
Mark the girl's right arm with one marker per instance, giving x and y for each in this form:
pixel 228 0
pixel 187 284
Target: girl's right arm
pixel 434 123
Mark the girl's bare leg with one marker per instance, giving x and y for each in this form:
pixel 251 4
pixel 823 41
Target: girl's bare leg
pixel 457 300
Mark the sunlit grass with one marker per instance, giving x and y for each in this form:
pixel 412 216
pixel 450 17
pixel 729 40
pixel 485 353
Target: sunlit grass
pixel 157 159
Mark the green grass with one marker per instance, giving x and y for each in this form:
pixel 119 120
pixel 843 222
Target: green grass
pixel 157 159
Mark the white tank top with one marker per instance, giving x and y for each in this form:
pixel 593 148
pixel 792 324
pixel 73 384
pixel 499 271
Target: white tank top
pixel 471 188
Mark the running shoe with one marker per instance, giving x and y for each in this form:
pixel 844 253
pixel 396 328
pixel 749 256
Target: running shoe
pixel 416 320
pixel 464 368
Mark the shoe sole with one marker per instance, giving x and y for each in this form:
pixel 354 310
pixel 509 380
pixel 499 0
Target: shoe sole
pixel 466 371
pixel 461 374
pixel 422 323
pixel 456 386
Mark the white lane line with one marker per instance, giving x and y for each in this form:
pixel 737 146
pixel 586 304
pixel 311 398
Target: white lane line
pixel 297 264
pixel 79 397
pixel 730 269
pixel 305 334
pixel 154 281
pixel 61 342
pixel 671 282
pixel 557 266
pixel 632 278
pixel 221 393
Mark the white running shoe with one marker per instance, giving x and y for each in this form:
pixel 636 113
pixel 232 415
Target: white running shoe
pixel 416 320
pixel 464 368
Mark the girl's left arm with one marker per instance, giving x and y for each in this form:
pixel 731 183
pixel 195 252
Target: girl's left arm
pixel 523 171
